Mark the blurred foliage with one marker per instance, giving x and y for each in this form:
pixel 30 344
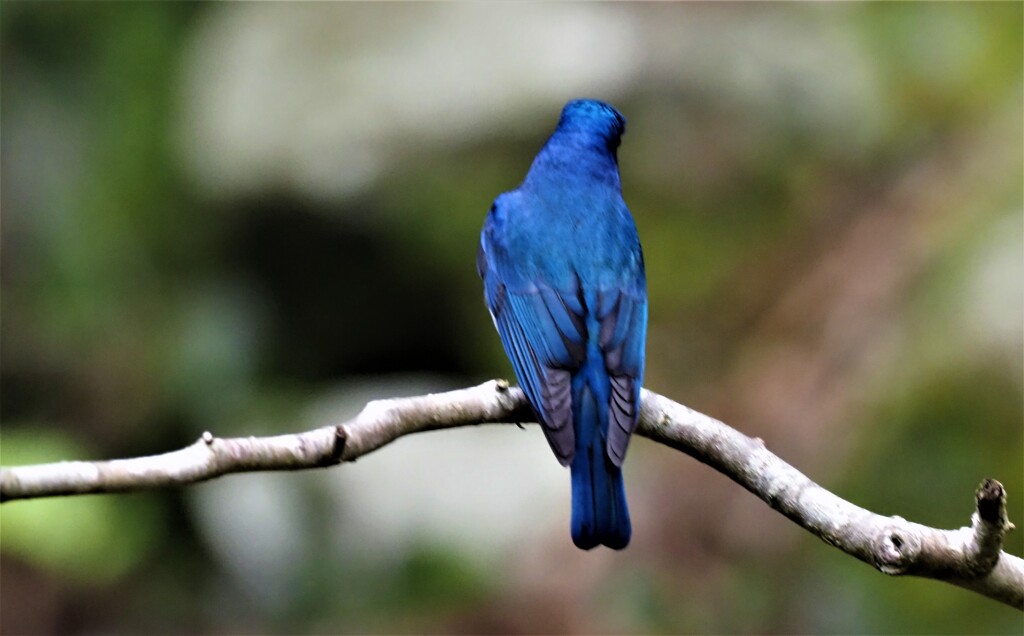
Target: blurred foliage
pixel 829 199
pixel 73 537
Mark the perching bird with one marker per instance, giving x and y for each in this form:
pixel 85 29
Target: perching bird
pixel 564 281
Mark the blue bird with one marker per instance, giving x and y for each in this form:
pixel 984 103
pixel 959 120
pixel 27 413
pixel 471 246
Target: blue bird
pixel 564 281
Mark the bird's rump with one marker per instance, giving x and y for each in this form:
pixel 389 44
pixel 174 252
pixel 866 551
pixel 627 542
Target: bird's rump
pixel 545 334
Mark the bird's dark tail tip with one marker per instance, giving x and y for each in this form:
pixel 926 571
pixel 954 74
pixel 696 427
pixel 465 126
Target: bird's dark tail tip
pixel 600 515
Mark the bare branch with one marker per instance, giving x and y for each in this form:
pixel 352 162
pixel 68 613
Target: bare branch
pixel 380 422
pixel 970 557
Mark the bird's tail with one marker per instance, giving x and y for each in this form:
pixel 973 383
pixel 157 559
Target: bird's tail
pixel 599 511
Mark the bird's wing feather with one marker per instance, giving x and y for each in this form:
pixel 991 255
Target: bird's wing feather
pixel 545 338
pixel 623 319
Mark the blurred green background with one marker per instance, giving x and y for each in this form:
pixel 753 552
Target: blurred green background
pixel 253 218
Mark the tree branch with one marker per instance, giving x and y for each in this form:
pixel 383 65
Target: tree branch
pixel 969 557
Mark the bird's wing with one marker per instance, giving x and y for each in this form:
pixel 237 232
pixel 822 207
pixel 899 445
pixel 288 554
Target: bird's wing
pixel 622 314
pixel 544 334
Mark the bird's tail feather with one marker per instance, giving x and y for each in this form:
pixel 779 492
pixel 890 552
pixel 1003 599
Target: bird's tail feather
pixel 599 511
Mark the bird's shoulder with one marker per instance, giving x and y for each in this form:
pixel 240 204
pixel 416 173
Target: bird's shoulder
pixel 557 236
pixel 520 241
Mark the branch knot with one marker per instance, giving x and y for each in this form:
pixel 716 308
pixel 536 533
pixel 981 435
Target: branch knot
pixel 898 547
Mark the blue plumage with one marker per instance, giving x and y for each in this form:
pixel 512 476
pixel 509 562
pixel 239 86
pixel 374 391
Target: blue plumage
pixel 564 281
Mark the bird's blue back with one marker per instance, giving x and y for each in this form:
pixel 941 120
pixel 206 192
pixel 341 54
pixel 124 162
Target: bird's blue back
pixel 564 281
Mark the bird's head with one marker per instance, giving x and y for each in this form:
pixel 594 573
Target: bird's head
pixel 590 116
